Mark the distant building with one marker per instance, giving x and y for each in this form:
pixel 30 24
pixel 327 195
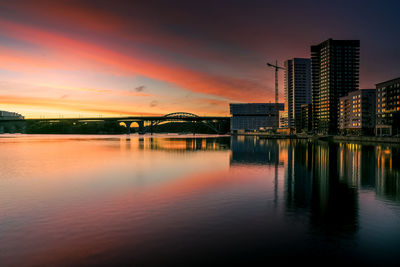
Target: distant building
pixel 306 118
pixel 6 115
pixel 253 116
pixel 283 120
pixel 334 73
pixel 388 107
pixel 357 112
pixel 11 122
pixel 297 89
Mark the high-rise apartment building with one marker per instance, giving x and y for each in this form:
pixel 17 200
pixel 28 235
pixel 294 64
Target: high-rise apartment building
pixel 334 73
pixel 306 118
pixel 297 89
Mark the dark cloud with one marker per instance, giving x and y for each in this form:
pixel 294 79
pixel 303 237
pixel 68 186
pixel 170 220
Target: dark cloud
pixel 197 36
pixel 140 88
pixel 153 103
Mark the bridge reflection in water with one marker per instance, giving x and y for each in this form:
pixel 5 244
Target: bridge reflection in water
pixel 175 143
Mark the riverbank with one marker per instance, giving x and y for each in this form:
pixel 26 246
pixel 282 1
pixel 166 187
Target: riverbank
pixel 272 136
pixel 335 138
pixel 372 139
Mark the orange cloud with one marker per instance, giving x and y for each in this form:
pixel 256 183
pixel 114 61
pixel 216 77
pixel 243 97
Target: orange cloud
pixel 21 61
pixel 113 91
pixel 136 30
pixel 95 107
pixel 119 63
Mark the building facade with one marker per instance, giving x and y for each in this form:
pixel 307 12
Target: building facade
pixel 357 112
pixel 306 118
pixel 388 107
pixel 11 122
pixel 6 115
pixel 297 89
pixel 334 73
pixel 253 116
pixel 283 120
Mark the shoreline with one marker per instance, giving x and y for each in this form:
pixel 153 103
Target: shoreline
pixel 334 138
pixel 328 138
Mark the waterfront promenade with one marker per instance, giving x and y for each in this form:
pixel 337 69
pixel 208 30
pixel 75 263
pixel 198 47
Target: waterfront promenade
pixel 336 138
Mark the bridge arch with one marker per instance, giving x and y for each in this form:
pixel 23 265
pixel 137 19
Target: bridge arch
pixel 130 124
pixel 180 115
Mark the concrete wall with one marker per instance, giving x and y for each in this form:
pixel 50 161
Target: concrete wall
pixel 12 127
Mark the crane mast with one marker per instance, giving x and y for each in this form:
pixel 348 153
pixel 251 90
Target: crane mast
pixel 277 68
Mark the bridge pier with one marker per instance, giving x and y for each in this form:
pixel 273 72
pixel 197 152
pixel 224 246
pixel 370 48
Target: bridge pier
pixel 141 127
pixel 151 127
pixel 129 123
pixel 128 126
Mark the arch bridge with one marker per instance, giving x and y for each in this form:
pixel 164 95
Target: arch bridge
pixel 147 123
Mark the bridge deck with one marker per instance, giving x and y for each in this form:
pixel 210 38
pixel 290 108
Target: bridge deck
pixel 132 118
pixel 147 118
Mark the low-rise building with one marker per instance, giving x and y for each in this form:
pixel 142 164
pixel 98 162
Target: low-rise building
pixel 253 116
pixel 357 112
pixel 388 107
pixel 11 122
pixel 6 115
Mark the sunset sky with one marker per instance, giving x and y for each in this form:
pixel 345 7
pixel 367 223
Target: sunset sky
pixel 71 58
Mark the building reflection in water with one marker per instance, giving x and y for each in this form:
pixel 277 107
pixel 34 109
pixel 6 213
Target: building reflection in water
pixel 325 178
pixel 251 150
pixel 371 168
pixel 388 172
pixel 334 201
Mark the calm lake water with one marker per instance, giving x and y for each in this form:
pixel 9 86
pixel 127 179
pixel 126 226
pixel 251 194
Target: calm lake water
pixel 173 200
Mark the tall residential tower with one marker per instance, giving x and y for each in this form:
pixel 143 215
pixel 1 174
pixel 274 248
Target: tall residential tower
pixel 334 73
pixel 297 89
